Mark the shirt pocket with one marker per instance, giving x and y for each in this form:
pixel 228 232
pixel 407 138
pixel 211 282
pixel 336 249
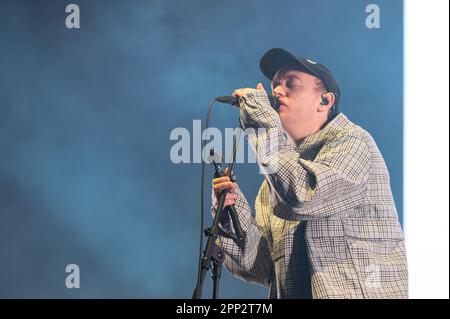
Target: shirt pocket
pixel 373 228
pixel 376 246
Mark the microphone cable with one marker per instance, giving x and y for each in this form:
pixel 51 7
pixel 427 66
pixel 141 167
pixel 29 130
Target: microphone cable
pixel 202 184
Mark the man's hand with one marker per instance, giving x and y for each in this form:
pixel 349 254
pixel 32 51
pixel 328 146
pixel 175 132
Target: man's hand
pixel 242 92
pixel 221 183
pixel 257 112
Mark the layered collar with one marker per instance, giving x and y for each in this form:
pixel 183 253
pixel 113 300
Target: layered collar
pixel 328 132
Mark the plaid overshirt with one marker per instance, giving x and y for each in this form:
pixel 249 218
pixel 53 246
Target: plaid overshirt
pixel 326 225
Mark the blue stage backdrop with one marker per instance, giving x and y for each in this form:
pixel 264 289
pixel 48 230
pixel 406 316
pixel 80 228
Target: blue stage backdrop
pixel 86 114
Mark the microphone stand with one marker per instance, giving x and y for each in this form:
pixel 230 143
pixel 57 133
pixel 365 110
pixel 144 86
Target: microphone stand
pixel 213 252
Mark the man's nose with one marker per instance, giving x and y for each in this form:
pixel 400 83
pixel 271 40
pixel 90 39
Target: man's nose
pixel 279 91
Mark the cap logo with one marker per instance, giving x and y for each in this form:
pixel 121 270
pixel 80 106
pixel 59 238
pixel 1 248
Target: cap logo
pixel 310 61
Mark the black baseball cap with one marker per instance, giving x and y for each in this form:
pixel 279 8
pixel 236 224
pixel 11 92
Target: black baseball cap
pixel 276 58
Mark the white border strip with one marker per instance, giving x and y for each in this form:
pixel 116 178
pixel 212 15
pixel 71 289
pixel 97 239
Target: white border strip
pixel 426 138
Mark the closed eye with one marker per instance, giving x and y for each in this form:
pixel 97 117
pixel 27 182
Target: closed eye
pixel 292 82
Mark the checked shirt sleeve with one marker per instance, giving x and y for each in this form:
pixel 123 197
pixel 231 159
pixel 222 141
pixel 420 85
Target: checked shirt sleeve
pixel 334 181
pixel 249 258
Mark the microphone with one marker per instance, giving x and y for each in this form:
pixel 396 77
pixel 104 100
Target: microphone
pixel 217 161
pixel 234 100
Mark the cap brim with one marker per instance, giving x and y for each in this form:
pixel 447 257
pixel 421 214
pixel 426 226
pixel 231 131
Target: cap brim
pixel 276 58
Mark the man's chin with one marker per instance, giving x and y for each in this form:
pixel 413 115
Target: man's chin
pixel 281 109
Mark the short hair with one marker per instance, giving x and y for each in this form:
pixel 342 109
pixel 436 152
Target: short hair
pixel 320 87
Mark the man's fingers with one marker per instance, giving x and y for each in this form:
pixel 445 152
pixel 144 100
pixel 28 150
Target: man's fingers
pixel 220 180
pixel 232 196
pixel 242 92
pixel 229 202
pixel 228 196
pixel 261 87
pixel 221 186
pixel 230 199
pixel 232 176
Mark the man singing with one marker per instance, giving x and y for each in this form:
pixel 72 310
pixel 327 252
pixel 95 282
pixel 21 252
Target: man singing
pixel 326 225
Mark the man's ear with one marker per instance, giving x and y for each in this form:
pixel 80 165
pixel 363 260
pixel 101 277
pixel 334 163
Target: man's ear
pixel 327 102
